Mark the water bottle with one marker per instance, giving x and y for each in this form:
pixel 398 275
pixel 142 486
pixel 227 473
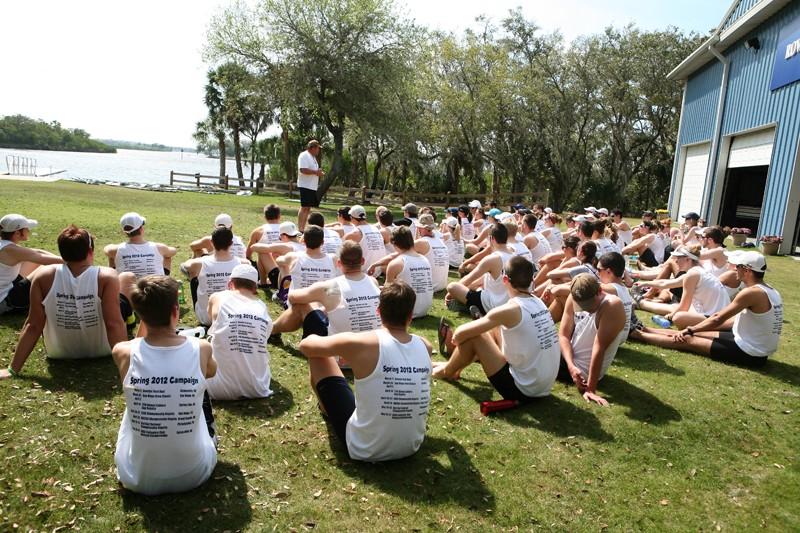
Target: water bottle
pixel 198 332
pixel 661 321
pixel 633 261
pixel 181 297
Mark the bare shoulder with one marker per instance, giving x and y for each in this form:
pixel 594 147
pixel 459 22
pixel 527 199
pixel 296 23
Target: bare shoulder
pixel 122 349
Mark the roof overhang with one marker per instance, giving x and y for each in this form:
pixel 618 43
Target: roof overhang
pixel 723 39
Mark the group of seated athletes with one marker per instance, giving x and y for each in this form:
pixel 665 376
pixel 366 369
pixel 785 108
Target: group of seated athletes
pixel 520 275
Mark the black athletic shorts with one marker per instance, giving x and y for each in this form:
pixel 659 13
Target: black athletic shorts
pixel 503 382
pixel 339 402
pixel 315 323
pixel 308 197
pixel 724 348
pixel 474 298
pixel 648 258
pixel 125 307
pixel 19 297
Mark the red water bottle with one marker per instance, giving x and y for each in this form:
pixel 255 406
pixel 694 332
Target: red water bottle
pixel 497 405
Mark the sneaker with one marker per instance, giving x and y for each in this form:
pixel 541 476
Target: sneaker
pixel 661 321
pixel 454 305
pixel 474 312
pixel 636 324
pixel 275 339
pixel 282 295
pixel 445 326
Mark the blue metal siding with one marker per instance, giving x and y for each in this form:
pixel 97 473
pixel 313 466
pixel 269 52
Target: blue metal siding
pixel 743 7
pixel 750 103
pixel 700 108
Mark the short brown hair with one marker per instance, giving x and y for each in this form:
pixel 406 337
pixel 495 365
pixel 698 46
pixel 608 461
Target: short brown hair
pixel 153 298
pixel 351 254
pixel 313 237
pixel 396 303
pixel 530 220
pixel 511 226
pixel 240 283
pixel 272 212
pixel 74 243
pixel 402 238
pixel 520 273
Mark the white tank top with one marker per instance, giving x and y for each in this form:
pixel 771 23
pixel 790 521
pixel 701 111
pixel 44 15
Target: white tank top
pixel 392 402
pixel 390 249
pixel 270 233
pixel 297 246
pixel 541 249
pixel 163 445
pixel 238 248
pixel 467 229
pixel 348 228
pixel 709 295
pixel 539 225
pixel 7 273
pixel 713 269
pixel 758 333
pixel 554 238
pixel 74 328
pixel 142 259
pixel 657 247
pixel 521 250
pixel 332 242
pixel 627 302
pixel 531 348
pixel 358 309
pixel 239 341
pixel 308 270
pixel 605 245
pixel 494 292
pixel 372 245
pixel 583 340
pixel 439 259
pixel 418 274
pixel 455 251
pixel 624 238
pixel 214 276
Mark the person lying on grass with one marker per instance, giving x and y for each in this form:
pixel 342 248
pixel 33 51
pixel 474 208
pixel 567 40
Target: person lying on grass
pixel 515 343
pixel 592 328
pixel 386 417
pixel 746 332
pixel 166 440
pixel 75 306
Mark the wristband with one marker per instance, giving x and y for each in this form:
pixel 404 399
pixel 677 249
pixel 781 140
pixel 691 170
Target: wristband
pixel 14 373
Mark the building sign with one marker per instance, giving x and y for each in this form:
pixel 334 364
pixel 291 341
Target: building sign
pixel 786 69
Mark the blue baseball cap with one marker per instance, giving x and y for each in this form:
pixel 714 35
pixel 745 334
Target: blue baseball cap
pixel 493 212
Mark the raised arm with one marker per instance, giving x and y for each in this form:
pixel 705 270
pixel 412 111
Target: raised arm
pixel 31 330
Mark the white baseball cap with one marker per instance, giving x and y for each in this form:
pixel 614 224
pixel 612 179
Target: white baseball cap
pixel 753 260
pixel 504 216
pixel 590 209
pixel 223 219
pixel 603 211
pixel 130 222
pixel 451 221
pixel 548 210
pixel 14 222
pixel 358 212
pixel 244 271
pixel 681 251
pixel 475 203
pixel 288 228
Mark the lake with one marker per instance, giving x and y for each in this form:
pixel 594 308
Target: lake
pixel 125 166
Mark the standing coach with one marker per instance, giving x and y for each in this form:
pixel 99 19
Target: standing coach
pixel 308 175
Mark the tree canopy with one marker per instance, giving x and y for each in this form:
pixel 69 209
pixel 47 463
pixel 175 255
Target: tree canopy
pixel 18 131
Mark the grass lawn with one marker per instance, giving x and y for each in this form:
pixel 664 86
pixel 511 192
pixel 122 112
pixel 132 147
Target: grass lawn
pixel 687 444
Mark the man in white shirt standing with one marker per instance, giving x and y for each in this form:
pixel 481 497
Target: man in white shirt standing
pixel 308 175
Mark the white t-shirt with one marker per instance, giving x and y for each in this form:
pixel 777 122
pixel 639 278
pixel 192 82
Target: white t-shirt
pixel 270 233
pixel 213 277
pixel 531 348
pixel 307 181
pixel 239 342
pixel 74 328
pixel 308 270
pixel 418 274
pixel 142 259
pixel 392 402
pixel 332 242
pixel 358 308
pixel 163 445
pixel 438 257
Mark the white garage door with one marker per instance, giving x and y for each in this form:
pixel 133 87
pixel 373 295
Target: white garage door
pixel 694 176
pixel 752 150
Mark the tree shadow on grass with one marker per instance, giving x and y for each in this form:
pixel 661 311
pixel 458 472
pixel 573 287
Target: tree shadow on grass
pixel 644 362
pixel 91 378
pixel 221 503
pixel 642 405
pixel 789 374
pixel 440 472
pixel 281 401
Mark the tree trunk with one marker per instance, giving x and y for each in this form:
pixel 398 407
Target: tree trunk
pixel 253 158
pixel 287 158
pixel 336 166
pixel 222 157
pixel 237 152
pixel 375 173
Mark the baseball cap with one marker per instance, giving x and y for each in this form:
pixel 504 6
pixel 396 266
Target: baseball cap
pixel 590 209
pixel 288 228
pixel 682 251
pixel 648 214
pixel 494 212
pixel 548 210
pixel 753 260
pixel 583 289
pixel 14 222
pixel 223 219
pixel 691 215
pixel 451 221
pixel 603 211
pixel 518 206
pixel 411 209
pixel 582 218
pixel 475 203
pixel 452 210
pixel 245 272
pixel 358 212
pixel 504 216
pixel 426 221
pixel 130 222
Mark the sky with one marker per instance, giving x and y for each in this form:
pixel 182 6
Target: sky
pixel 134 70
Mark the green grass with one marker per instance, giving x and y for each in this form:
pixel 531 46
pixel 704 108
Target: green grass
pixel 687 444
